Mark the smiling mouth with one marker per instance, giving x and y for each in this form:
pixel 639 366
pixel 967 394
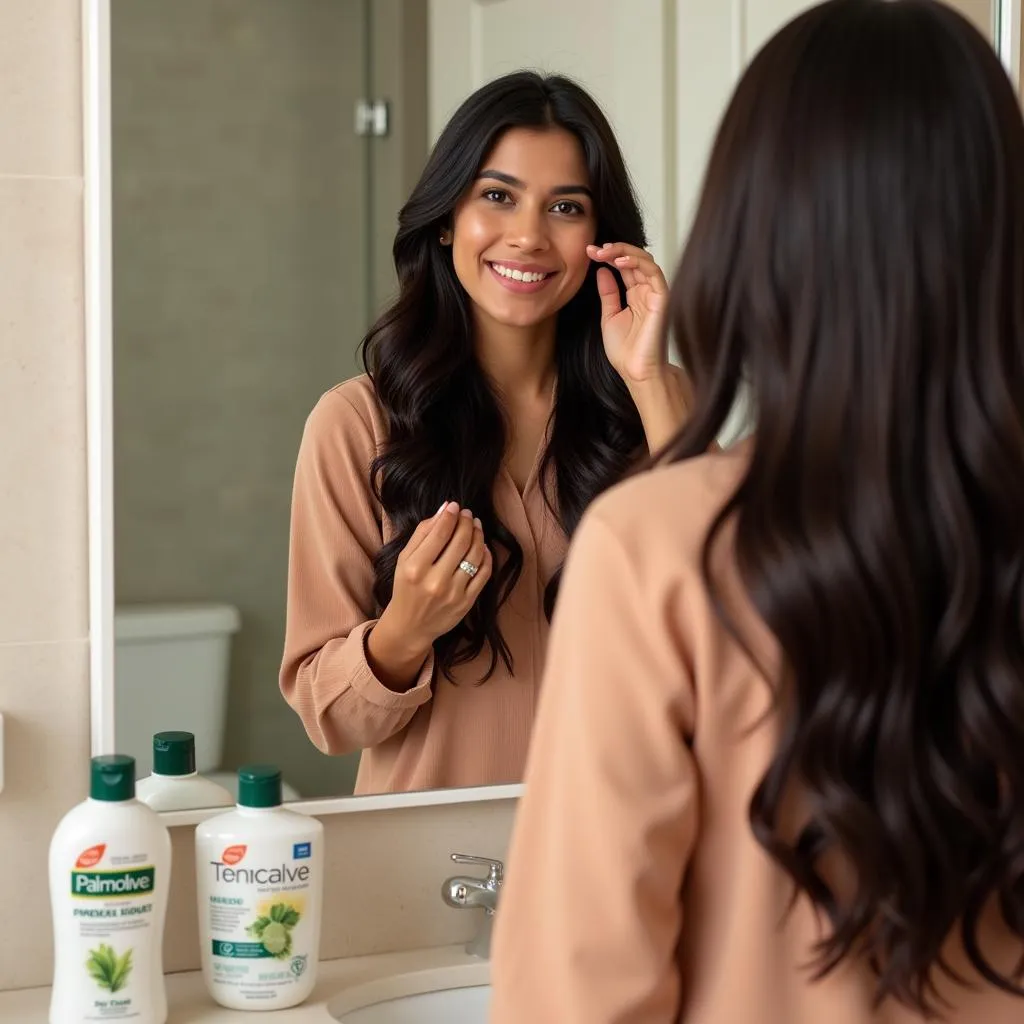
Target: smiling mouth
pixel 523 282
pixel 524 276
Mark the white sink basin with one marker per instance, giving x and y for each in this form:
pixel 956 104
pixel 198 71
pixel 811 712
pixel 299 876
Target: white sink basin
pixel 446 995
pixel 448 1006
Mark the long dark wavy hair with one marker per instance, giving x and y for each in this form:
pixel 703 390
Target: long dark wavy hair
pixel 446 428
pixel 857 268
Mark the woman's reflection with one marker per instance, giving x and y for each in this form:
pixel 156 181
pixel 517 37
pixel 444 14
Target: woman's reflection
pixel 518 374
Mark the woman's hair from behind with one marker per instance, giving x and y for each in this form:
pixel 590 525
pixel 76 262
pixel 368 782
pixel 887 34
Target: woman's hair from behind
pixel 857 264
pixel 446 430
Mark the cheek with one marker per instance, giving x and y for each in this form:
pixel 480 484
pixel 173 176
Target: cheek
pixel 473 231
pixel 473 235
pixel 574 253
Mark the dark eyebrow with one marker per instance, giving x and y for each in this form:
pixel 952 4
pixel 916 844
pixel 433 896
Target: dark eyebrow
pixel 560 190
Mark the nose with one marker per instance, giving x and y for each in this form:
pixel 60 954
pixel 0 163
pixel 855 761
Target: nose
pixel 527 230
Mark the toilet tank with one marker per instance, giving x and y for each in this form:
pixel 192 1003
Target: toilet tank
pixel 171 667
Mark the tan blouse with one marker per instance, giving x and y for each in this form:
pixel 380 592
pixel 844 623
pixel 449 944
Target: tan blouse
pixel 636 893
pixel 438 733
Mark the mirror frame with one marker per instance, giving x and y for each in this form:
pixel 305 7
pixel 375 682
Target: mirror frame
pixel 99 404
pixel 100 453
pixel 1007 16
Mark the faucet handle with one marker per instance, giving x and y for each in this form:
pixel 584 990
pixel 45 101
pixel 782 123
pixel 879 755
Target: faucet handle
pixel 496 870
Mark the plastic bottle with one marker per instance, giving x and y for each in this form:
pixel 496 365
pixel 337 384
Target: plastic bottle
pixel 110 867
pixel 175 785
pixel 259 874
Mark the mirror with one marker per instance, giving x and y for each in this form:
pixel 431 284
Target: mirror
pixel 259 152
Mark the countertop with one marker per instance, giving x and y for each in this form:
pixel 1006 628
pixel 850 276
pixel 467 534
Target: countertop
pixel 188 1002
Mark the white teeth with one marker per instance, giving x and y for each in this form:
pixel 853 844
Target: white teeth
pixel 518 275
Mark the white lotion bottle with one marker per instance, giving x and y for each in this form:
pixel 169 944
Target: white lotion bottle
pixel 175 785
pixel 110 868
pixel 259 877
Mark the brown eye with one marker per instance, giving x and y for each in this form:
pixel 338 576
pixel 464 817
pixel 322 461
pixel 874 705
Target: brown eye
pixel 567 208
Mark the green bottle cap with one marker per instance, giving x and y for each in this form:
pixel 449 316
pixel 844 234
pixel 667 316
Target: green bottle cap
pixel 112 777
pixel 259 785
pixel 174 753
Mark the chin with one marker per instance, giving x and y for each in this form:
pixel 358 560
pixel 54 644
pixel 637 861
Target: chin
pixel 519 318
pixel 525 322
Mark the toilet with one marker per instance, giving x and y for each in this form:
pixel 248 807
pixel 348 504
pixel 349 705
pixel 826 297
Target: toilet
pixel 171 670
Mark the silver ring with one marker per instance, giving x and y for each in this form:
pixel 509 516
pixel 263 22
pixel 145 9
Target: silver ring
pixel 468 568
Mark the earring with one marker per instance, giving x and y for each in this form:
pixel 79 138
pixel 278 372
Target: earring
pixel 446 238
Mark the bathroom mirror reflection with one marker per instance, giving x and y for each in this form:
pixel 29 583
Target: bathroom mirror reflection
pixel 260 152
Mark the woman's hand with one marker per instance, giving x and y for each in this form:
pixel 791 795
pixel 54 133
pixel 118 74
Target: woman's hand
pixel 633 335
pixel 635 339
pixel 431 593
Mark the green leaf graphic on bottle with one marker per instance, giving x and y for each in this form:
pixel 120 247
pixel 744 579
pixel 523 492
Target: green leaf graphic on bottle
pixel 107 969
pixel 275 930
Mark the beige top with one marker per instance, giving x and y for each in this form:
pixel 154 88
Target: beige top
pixel 636 892
pixel 438 733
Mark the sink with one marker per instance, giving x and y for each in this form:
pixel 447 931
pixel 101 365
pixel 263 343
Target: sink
pixel 446 1006
pixel 458 994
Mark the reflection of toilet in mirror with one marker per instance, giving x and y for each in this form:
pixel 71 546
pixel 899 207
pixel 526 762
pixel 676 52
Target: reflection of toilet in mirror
pixel 171 671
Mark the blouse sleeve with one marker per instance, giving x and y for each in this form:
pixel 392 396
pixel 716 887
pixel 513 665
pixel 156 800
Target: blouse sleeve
pixel 335 534
pixel 590 916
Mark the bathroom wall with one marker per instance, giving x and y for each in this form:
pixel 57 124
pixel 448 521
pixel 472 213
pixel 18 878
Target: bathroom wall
pixel 979 11
pixel 44 694
pixel 398 30
pixel 241 291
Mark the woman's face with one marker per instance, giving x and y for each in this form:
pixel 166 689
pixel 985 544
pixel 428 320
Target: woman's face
pixel 520 232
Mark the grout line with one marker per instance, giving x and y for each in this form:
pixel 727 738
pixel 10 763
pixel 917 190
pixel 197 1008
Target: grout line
pixel 4 176
pixel 11 644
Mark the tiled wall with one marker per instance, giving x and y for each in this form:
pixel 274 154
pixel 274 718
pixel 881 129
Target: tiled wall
pixel 43 579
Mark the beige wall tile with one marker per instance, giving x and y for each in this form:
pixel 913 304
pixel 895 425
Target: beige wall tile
pixel 40 87
pixel 43 582
pixel 384 871
pixel 980 12
pixel 44 698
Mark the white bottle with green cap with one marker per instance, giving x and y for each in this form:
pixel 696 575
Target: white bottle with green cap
pixel 110 866
pixel 175 785
pixel 259 876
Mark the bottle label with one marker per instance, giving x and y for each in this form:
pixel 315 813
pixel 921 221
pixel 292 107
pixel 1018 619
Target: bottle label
pixel 113 908
pixel 261 917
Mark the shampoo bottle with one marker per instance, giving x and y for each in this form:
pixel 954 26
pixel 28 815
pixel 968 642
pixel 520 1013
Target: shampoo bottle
pixel 259 875
pixel 110 866
pixel 174 784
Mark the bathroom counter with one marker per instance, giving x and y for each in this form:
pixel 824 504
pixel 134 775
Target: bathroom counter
pixel 188 1002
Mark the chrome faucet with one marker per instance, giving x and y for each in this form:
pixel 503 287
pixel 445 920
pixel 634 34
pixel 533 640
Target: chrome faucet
pixel 463 892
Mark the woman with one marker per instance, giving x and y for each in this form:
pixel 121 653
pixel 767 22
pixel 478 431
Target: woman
pixel 778 767
pixel 506 387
